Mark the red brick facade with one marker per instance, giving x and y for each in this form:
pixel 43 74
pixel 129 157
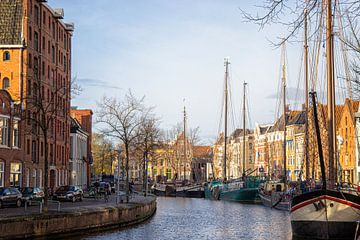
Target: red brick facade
pixel 38 67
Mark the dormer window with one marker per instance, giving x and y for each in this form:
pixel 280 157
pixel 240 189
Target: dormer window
pixel 6 56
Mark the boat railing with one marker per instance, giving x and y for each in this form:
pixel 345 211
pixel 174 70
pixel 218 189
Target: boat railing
pixel 349 188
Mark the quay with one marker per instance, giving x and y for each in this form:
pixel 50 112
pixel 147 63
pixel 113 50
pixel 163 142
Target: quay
pixel 75 218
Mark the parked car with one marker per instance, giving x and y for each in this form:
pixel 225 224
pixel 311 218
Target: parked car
pixel 68 193
pixel 10 196
pixel 32 194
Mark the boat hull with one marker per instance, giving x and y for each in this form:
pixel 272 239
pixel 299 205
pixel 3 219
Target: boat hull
pixel 168 191
pixel 325 214
pixel 279 201
pixel 247 195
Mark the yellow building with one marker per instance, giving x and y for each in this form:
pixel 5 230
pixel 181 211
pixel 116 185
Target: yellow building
pixel 346 141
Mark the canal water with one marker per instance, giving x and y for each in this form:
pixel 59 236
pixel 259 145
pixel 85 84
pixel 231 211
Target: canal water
pixel 186 218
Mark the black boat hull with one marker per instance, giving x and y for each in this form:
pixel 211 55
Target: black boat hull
pixel 325 214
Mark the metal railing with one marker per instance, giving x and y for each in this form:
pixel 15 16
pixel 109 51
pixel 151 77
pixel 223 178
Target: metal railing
pixel 28 203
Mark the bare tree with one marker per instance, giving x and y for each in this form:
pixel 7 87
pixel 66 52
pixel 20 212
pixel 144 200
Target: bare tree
pixel 194 136
pixel 146 142
pixel 46 102
pixel 121 119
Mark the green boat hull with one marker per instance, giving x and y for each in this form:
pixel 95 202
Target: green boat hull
pixel 246 195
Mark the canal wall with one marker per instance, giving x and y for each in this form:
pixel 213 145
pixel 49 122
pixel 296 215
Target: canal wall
pixel 78 221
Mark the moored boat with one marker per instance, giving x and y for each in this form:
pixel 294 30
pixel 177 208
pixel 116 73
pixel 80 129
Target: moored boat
pixel 325 214
pixel 238 190
pixel 272 194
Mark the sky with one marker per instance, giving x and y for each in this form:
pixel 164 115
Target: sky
pixel 169 51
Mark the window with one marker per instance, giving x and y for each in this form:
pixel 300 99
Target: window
pixel 30 7
pixel 37 15
pixel 27 177
pixel 6 56
pixel 33 151
pixel 44 17
pixel 27 146
pixel 36 66
pixel 16 142
pixel 30 61
pixel 42 149
pixel 36 41
pixel 4 131
pixel 43 68
pixel 53 54
pixel 40 177
pixel 71 147
pixel 2 174
pixel 34 178
pixel 30 34
pixel 53 29
pixel 5 83
pixel 15 174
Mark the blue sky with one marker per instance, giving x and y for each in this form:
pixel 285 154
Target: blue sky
pixel 169 50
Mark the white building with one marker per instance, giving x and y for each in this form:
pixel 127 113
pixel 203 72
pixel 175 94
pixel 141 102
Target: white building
pixel 78 155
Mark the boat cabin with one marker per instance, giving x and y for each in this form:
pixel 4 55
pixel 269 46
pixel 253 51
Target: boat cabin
pixel 274 187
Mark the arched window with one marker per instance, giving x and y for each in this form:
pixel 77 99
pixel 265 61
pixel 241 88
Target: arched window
pixel 6 56
pixel 5 83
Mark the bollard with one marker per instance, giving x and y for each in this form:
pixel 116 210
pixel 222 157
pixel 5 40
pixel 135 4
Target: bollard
pixel 41 207
pixel 26 203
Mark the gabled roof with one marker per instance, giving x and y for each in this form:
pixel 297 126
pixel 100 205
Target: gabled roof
pixel 264 128
pixel 292 118
pixel 338 112
pixel 199 151
pixel 11 22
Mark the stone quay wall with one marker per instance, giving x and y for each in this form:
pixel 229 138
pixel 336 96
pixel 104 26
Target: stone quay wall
pixel 75 222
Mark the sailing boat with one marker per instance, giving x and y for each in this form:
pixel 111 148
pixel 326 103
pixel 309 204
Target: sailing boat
pixel 185 188
pixel 330 212
pixel 239 190
pixel 275 194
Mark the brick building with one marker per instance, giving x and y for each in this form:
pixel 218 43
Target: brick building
pixel 346 150
pixel 35 50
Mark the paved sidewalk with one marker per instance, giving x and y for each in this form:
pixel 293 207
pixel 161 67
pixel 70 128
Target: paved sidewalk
pixel 86 204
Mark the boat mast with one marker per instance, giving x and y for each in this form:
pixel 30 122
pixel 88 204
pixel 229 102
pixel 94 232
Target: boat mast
pixel 244 129
pixel 284 110
pixel 318 137
pixel 226 113
pixel 184 142
pixel 330 94
pixel 306 76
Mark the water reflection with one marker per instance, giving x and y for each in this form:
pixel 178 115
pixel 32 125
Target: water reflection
pixel 184 218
